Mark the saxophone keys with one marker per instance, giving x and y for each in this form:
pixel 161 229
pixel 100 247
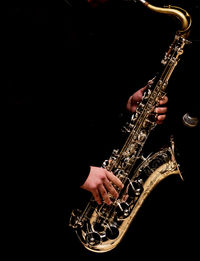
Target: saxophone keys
pixel 93 238
pixel 123 210
pixel 142 136
pixel 112 231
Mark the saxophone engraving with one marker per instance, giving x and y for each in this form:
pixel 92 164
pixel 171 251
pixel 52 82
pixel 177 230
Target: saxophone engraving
pixel 100 228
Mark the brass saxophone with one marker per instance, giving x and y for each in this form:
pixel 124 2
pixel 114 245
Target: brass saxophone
pixel 100 228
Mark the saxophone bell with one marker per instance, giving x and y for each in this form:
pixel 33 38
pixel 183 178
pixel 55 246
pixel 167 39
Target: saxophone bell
pixel 100 228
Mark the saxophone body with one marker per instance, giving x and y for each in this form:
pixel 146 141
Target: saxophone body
pixel 100 228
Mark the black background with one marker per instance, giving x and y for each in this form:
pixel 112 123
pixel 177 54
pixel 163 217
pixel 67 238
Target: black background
pixel 128 43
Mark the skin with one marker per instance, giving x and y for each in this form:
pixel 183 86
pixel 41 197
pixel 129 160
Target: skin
pixel 100 182
pixel 137 97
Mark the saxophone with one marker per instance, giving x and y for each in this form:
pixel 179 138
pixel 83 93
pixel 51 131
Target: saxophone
pixel 100 228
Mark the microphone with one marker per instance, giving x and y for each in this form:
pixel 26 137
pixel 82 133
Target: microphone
pixel 190 120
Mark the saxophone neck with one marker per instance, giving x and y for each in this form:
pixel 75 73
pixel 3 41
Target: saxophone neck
pixel 182 15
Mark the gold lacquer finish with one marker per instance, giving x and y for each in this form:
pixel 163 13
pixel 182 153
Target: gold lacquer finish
pixel 100 228
pixel 176 11
pixel 163 171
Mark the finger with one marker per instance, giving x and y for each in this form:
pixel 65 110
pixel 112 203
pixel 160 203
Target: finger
pixel 104 194
pixel 159 122
pixel 136 98
pixel 164 100
pixel 96 196
pixel 161 110
pixel 150 82
pixel 110 188
pixel 114 179
pixel 144 88
pixel 161 117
